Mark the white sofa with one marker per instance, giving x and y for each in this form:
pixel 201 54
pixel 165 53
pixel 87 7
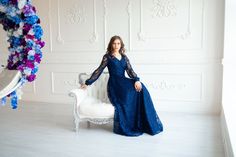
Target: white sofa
pixel 92 104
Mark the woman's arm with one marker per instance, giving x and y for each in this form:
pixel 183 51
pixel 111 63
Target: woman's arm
pixel 130 70
pixel 95 75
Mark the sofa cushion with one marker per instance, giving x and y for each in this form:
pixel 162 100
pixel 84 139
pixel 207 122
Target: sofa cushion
pixel 94 108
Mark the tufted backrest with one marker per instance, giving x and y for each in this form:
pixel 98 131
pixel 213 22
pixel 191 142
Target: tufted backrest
pixel 99 88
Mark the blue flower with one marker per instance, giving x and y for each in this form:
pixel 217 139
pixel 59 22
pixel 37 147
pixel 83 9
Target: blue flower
pixel 15 19
pixel 14 41
pixel 4 100
pixel 38 32
pixel 4 2
pixel 30 57
pixel 14 99
pixel 34 70
pixel 31 19
pixel 11 11
pixel 30 43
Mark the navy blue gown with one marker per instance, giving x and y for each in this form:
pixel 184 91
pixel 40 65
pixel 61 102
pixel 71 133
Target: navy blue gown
pixel 134 111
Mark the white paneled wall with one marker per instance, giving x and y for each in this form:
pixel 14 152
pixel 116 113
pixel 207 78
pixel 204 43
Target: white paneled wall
pixel 175 46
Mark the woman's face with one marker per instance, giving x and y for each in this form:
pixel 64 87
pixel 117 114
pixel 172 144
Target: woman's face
pixel 116 45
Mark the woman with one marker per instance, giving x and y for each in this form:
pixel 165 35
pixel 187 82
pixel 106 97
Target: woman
pixel 134 109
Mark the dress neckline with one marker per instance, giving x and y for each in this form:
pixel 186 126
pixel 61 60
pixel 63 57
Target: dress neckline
pixel 116 57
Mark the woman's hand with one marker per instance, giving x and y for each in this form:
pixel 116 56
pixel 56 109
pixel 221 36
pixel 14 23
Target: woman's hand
pixel 83 86
pixel 138 86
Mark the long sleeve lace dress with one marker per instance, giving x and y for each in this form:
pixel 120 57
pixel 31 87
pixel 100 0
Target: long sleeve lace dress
pixel 134 111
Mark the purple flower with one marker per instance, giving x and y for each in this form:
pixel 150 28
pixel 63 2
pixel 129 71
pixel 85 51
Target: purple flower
pixel 31 77
pixel 29 10
pixel 30 37
pixel 41 43
pixel 26 28
pixel 14 2
pixel 37 58
pixel 29 64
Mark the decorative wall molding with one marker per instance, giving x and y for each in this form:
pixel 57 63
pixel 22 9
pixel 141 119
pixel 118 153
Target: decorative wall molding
pixel 163 8
pixel 141 35
pixel 30 87
pixel 76 10
pixel 105 22
pixel 75 14
pixel 129 9
pixel 177 87
pixel 73 82
pixel 70 81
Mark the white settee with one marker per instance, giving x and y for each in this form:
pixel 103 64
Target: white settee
pixel 92 104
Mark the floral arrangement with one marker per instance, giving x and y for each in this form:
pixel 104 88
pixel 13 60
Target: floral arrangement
pixel 24 34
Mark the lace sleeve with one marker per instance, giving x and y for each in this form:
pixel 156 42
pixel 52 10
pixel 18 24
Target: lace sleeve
pixel 95 75
pixel 130 70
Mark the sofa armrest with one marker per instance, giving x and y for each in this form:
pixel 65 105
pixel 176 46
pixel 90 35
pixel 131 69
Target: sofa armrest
pixel 78 94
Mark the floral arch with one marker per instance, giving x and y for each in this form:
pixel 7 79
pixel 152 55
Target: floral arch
pixel 24 33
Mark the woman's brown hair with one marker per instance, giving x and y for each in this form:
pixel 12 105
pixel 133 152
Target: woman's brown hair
pixel 109 47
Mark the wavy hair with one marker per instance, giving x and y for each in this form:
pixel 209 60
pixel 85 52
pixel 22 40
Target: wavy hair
pixel 109 47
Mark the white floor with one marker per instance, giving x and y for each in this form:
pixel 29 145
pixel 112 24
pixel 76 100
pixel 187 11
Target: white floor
pixel 46 130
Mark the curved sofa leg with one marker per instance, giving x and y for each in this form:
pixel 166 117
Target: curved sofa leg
pixel 88 124
pixel 76 121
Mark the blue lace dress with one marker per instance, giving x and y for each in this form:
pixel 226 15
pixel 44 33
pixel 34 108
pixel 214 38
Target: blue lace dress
pixel 134 111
